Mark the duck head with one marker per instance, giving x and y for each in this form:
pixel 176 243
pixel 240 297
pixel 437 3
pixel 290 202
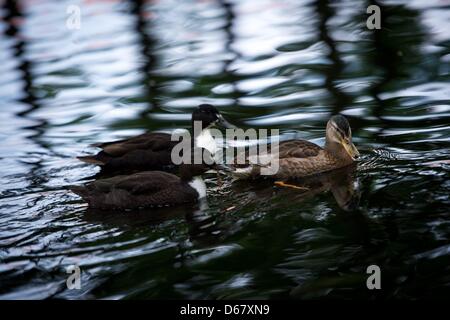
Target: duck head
pixel 208 116
pixel 339 139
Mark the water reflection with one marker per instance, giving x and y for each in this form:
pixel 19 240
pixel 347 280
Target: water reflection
pixel 333 72
pixel 14 20
pixel 138 66
pixel 202 227
pixel 149 58
pixel 390 63
pixel 342 183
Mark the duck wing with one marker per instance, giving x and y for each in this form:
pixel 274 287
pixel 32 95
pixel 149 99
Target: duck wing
pixel 292 155
pixel 298 149
pixel 147 182
pixel 155 141
pixel 286 149
pixel 147 151
pixel 144 189
pixel 301 158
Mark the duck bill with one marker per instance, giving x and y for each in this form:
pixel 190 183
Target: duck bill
pixel 351 150
pixel 224 123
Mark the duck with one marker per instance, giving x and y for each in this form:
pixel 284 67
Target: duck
pixel 302 158
pixel 146 189
pixel 152 150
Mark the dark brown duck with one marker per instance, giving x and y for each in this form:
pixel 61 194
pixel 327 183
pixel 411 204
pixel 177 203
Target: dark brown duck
pixel 152 150
pixel 146 189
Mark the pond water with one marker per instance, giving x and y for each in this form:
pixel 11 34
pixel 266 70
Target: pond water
pixel 137 66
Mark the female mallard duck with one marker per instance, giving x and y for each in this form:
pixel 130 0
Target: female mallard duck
pixel 301 158
pixel 152 150
pixel 146 189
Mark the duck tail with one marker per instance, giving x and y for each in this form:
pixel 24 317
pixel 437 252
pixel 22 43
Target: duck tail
pixel 92 160
pixel 242 173
pixel 80 191
pixel 246 172
pixel 97 145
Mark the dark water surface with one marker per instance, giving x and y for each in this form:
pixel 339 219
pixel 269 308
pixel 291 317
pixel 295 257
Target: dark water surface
pixel 136 66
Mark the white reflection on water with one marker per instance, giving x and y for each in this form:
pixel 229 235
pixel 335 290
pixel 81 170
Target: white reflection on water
pixel 282 64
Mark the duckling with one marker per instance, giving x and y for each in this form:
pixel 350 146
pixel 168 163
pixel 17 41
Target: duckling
pixel 146 189
pixel 301 158
pixel 152 150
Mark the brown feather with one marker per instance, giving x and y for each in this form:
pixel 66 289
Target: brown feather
pixel 298 149
pixel 143 189
pixel 297 158
pixel 146 151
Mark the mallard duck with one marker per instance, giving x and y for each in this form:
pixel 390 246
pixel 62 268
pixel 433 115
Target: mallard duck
pixel 152 150
pixel 146 189
pixel 301 158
